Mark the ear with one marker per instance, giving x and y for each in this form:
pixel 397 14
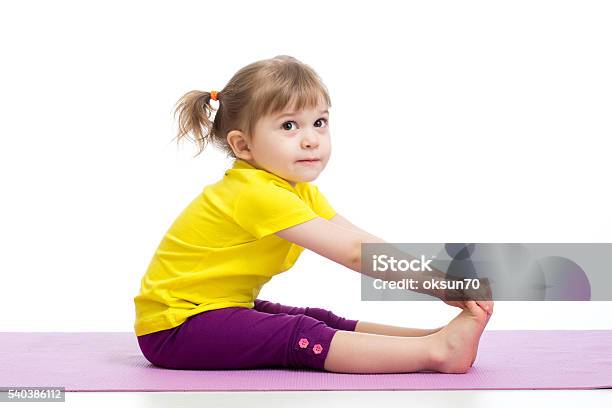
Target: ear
pixel 239 144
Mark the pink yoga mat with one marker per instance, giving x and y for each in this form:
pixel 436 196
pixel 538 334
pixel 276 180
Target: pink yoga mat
pixel 507 359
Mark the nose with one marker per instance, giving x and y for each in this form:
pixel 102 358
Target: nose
pixel 310 140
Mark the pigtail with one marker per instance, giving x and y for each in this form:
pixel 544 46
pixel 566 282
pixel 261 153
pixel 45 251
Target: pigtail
pixel 195 110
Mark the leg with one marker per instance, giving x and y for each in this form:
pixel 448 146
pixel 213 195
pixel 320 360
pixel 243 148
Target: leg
pixel 326 316
pixel 377 328
pixel 341 323
pixel 354 352
pixel 451 350
pixel 240 338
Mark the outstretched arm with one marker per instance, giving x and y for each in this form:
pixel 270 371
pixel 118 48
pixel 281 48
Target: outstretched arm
pixel 342 244
pixel 340 240
pixel 487 305
pixel 332 240
pixel 340 220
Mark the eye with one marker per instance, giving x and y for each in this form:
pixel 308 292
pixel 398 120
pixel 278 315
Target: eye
pixel 323 119
pixel 293 121
pixel 286 123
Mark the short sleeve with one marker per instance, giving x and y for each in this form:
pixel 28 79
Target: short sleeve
pixel 320 204
pixel 268 207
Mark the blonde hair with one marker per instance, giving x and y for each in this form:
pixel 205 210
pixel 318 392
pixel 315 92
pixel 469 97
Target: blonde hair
pixel 259 89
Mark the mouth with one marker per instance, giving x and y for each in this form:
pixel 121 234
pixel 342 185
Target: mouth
pixel 309 161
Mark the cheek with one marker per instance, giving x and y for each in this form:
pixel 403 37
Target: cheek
pixel 276 150
pixel 265 145
pixel 326 141
pixel 287 145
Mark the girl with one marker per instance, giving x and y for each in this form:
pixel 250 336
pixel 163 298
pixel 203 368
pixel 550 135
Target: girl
pixel 198 306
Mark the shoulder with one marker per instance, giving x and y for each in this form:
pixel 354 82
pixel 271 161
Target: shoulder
pixel 308 190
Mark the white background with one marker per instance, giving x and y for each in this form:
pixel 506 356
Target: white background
pixel 451 122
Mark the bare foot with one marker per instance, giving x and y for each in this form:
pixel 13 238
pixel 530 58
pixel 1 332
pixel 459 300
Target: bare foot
pixel 487 322
pixel 456 344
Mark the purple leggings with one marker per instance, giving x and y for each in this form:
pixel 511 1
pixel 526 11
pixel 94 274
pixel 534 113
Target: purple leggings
pixel 269 335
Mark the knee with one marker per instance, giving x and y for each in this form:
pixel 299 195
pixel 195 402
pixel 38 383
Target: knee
pixel 331 319
pixel 321 314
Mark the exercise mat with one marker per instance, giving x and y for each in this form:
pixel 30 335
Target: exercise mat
pixel 112 361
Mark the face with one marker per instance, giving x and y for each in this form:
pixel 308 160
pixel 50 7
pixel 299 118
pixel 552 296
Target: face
pixel 293 145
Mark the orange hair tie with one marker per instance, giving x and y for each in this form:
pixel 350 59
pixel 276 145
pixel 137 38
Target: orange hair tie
pixel 213 95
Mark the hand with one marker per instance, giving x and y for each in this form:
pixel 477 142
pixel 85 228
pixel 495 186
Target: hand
pixel 459 297
pixel 486 305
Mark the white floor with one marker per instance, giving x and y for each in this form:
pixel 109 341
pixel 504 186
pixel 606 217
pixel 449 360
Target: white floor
pixel 471 399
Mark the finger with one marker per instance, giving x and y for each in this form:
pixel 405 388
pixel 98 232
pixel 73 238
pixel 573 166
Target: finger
pixel 473 307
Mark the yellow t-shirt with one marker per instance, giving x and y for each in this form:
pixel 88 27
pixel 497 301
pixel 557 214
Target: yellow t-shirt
pixel 221 249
